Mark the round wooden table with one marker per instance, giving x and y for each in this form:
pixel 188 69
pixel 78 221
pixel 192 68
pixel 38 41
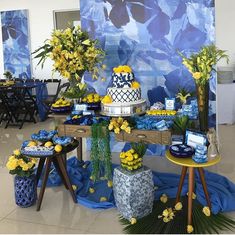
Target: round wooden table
pixel 59 161
pixel 189 164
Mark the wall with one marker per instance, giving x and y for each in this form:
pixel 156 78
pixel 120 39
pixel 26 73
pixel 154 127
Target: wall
pixel 41 25
pixel 225 36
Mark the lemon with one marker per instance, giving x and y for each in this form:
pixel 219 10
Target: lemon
pixel 32 143
pixel 58 148
pixel 48 144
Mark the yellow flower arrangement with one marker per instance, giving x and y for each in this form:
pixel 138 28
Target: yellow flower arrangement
pixel 135 85
pixel 161 112
pixel 73 53
pixel 107 100
pixel 122 69
pixel 20 165
pixel 92 98
pixel 118 124
pixel 201 65
pixel 133 158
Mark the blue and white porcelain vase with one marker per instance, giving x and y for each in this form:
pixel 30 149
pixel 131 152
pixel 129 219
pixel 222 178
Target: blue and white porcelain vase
pixel 25 190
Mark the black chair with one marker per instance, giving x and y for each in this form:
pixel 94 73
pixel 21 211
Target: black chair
pixel 20 109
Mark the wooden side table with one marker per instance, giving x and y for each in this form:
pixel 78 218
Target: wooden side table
pixel 190 165
pixel 60 165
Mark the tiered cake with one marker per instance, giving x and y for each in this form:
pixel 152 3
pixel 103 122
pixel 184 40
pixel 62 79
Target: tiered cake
pixel 124 96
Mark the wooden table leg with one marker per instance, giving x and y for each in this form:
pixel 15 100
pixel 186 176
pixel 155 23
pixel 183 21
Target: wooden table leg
pixel 182 177
pixel 44 182
pixel 190 194
pixel 56 164
pixel 67 180
pixel 79 149
pixel 39 170
pixel 202 177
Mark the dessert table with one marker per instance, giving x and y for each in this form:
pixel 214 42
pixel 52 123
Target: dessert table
pixel 147 136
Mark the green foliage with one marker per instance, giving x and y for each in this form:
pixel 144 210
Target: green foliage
pixel 181 124
pixel 100 152
pixel 140 148
pixel 8 75
pixel 202 224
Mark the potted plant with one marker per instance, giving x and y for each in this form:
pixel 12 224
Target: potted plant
pixel 201 65
pixel 25 180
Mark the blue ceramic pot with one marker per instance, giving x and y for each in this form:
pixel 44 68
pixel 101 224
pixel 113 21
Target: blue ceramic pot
pixel 25 190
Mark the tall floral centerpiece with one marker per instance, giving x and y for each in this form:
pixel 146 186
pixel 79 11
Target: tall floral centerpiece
pixel 73 52
pixel 201 65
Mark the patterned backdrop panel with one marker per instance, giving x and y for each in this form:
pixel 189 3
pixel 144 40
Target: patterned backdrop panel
pixel 16 48
pixel 146 34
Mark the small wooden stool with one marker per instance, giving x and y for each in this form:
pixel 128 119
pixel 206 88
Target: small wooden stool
pixel 189 164
pixel 59 161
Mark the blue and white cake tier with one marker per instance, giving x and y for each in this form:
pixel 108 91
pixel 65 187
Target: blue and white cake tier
pixel 124 95
pixel 122 80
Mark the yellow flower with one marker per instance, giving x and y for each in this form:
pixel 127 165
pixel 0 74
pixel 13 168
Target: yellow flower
pixel 30 165
pixel 87 42
pixel 165 220
pixel 74 187
pixel 103 199
pixel 25 167
pixel 197 75
pixel 11 158
pixel 117 130
pixel 122 155
pixel 133 220
pixel 194 196
pixel 135 85
pixel 206 210
pixel 11 165
pixel 110 126
pixel 21 162
pixel 128 130
pixel 107 100
pixel 110 183
pixel 165 213
pixel 189 228
pixel 91 190
pixel 178 206
pixel 164 198
pixel 17 152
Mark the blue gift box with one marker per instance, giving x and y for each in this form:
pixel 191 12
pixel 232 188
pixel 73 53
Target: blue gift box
pixel 133 192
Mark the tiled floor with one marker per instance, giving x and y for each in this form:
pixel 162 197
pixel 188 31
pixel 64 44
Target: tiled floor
pixel 58 213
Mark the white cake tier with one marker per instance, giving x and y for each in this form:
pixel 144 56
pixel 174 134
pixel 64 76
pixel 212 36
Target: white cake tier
pixel 122 80
pixel 124 94
pixel 117 109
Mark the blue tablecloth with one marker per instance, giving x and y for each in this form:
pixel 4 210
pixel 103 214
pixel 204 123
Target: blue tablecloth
pixel 221 190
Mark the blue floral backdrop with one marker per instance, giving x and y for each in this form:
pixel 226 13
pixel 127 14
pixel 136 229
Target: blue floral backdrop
pixel 15 37
pixel 147 35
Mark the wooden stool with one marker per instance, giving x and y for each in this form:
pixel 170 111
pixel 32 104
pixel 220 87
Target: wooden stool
pixel 190 165
pixel 59 161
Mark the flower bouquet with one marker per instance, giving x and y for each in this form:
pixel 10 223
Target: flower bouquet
pixel 133 158
pixel 73 52
pixel 201 66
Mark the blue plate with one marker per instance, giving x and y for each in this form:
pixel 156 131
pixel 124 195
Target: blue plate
pixel 181 150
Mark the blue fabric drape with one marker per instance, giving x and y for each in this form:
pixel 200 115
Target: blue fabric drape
pixel 221 190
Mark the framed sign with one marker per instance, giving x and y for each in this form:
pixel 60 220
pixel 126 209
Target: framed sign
pixel 66 18
pixel 170 103
pixel 193 138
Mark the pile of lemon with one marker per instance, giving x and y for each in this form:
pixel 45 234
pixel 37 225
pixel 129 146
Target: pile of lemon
pixel 61 102
pixel 161 112
pixel 58 148
pixel 130 160
pixel 92 98
pixel 118 124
